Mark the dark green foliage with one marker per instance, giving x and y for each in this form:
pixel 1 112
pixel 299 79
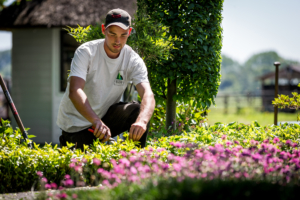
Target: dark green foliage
pixel 196 189
pixel 195 60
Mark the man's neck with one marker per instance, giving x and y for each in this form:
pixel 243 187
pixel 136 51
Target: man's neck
pixel 109 53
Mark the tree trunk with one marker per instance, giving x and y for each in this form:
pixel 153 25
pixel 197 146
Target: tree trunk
pixel 171 104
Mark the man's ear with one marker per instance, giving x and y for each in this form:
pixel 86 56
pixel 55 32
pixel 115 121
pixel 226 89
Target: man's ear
pixel 103 29
pixel 129 31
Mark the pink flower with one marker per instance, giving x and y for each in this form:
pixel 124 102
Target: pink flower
pixel 236 142
pixel 72 165
pixel 123 153
pixel 69 182
pixel 48 186
pixel 84 160
pixel 105 182
pixel 53 185
pixel 288 142
pixel 63 196
pixel 100 170
pixel 224 137
pixel 44 180
pixel 294 145
pixel 133 170
pixel 96 161
pixel 67 176
pixel 73 160
pixel 74 196
pixel 275 140
pixel 39 173
pixel 266 141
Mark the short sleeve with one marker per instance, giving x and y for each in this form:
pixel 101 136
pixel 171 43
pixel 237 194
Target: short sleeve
pixel 139 72
pixel 80 63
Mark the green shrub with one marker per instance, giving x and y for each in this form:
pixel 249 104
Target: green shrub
pixel 19 164
pixel 236 133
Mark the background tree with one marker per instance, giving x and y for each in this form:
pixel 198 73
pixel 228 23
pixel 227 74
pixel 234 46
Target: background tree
pixel 192 72
pixel 242 78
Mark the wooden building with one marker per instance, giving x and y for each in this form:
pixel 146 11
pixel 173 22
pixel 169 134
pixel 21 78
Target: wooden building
pixel 288 80
pixel 42 53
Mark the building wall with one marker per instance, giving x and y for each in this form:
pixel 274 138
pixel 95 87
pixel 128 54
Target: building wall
pixel 56 93
pixel 32 61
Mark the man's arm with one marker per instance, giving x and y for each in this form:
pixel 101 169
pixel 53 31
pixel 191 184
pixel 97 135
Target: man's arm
pixel 81 103
pixel 147 107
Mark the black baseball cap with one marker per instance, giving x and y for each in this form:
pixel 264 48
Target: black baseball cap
pixel 118 17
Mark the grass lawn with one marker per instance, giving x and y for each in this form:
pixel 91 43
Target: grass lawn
pixel 246 114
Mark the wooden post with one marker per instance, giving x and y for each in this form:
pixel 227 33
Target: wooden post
pixel 276 64
pixel 171 104
pixel 225 104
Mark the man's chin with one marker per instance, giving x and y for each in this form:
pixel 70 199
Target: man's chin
pixel 114 50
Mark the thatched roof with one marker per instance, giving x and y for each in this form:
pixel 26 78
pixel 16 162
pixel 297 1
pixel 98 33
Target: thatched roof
pixel 288 72
pixel 60 13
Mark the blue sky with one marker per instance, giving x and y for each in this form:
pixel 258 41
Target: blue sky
pixel 249 27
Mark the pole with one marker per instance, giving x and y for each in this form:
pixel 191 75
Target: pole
pixel 14 110
pixel 276 64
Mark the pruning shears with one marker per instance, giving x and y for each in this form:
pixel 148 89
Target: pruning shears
pixel 110 140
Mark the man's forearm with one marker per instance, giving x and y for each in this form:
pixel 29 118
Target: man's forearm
pixel 81 103
pixel 147 108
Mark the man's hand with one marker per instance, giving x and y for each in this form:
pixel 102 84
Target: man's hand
pixel 101 131
pixel 137 130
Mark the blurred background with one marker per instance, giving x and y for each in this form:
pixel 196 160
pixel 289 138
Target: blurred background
pixel 256 33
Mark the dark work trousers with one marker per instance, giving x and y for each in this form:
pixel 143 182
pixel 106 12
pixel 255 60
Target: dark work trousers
pixel 119 118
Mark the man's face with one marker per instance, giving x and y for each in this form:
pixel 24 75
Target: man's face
pixel 115 38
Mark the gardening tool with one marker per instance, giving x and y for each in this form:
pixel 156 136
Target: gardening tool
pixel 14 110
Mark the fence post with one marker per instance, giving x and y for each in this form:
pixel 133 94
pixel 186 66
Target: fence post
pixel 276 64
pixel 225 104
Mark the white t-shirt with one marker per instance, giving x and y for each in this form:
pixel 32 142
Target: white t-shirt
pixel 105 81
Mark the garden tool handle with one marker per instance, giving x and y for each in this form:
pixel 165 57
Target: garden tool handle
pixel 14 110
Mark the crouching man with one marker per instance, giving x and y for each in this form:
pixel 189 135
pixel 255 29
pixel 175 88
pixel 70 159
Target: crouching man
pixel 100 72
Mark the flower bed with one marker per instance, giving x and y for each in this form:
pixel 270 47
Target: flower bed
pixel 265 165
pixel 19 165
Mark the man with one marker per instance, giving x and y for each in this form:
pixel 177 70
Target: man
pixel 100 72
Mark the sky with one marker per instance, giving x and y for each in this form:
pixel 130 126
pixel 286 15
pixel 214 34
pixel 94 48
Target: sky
pixel 249 27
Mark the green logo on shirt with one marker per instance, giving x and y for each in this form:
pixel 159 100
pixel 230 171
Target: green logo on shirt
pixel 119 77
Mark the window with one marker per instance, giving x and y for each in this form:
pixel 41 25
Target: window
pixel 68 47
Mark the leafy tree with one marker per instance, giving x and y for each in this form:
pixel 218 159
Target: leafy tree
pixel 184 54
pixel 193 70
